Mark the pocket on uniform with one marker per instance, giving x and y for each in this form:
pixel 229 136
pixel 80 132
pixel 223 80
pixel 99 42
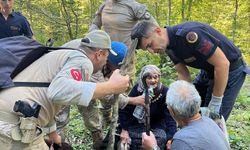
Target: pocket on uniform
pixel 235 77
pixel 15 30
pixel 5 141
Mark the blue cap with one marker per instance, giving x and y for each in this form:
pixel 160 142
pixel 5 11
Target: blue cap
pixel 121 50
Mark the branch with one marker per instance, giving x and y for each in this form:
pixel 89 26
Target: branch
pixel 48 15
pixel 126 65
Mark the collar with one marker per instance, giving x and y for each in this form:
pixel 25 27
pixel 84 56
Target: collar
pixel 171 37
pixel 12 14
pixel 194 119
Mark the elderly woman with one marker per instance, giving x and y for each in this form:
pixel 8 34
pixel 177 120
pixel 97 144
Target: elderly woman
pixel 132 119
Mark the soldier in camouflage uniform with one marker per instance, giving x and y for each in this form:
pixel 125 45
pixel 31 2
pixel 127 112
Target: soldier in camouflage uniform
pixel 117 18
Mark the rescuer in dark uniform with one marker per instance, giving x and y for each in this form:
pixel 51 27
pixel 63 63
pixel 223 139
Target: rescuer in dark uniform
pixel 199 46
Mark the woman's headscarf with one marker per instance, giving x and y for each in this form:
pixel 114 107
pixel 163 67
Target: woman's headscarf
pixel 146 71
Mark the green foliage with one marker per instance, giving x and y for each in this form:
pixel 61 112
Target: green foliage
pixel 63 20
pixel 238 123
pixel 75 133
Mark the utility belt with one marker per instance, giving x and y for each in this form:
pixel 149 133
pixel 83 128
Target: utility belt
pixel 233 66
pixel 236 64
pixel 25 128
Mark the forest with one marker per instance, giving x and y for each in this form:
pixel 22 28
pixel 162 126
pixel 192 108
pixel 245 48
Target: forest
pixel 64 20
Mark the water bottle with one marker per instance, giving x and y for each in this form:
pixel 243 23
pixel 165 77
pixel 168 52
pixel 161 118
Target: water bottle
pixel 139 111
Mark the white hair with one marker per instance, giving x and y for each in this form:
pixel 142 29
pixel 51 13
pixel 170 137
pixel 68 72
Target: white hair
pixel 183 99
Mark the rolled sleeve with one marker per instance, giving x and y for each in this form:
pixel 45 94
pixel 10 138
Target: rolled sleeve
pixel 141 13
pixel 50 128
pixel 87 94
pixel 123 101
pixel 27 29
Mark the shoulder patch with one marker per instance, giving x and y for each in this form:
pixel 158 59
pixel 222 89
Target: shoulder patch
pixel 192 37
pixel 147 15
pixel 206 47
pixel 76 74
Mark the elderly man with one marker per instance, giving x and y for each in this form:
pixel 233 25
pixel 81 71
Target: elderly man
pixel 200 46
pixel 12 23
pixel 68 72
pixel 197 132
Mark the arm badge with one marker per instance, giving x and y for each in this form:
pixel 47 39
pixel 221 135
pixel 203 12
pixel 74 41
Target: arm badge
pixel 147 16
pixel 192 37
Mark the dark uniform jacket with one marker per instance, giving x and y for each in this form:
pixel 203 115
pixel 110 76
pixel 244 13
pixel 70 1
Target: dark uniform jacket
pixel 16 24
pixel 192 43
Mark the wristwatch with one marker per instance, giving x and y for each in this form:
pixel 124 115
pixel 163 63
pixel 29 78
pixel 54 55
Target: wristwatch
pixel 156 148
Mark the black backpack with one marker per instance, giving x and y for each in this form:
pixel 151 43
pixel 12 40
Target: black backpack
pixel 17 53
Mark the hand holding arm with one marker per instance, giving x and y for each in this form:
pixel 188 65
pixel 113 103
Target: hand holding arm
pixel 125 136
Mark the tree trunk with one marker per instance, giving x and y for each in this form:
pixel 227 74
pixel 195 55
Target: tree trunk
pixel 76 21
pixel 157 10
pixel 67 19
pixel 182 10
pixel 189 10
pixel 92 10
pixel 235 20
pixel 169 12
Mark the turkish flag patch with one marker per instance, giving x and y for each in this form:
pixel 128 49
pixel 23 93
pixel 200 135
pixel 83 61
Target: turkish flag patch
pixel 76 74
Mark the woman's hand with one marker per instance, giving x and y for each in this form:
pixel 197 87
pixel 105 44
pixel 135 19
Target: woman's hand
pixel 139 100
pixel 168 144
pixel 125 136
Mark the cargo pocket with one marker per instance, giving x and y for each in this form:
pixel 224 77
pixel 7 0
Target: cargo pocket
pixel 5 142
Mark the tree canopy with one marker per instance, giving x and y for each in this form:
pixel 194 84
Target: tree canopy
pixel 64 20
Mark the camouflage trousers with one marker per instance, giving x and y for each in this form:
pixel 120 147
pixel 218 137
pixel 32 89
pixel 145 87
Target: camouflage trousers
pixel 7 143
pixel 92 117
